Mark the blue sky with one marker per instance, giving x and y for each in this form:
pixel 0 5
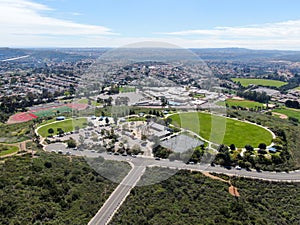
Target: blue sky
pixel 264 24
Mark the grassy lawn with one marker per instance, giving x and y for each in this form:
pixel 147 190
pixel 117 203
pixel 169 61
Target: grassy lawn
pixel 199 96
pixel 213 127
pixel 7 149
pixel 264 82
pixel 243 103
pixel 86 101
pixel 136 119
pixel 297 88
pixel 126 89
pixel 66 126
pixel 289 112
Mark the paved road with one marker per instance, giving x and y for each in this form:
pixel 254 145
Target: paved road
pixel 143 161
pixel 119 195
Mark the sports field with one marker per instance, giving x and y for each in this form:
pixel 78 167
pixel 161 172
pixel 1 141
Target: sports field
pixel 243 103
pixel 45 111
pixel 52 111
pixel 289 112
pixel 86 101
pixel 213 128
pixel 66 125
pixel 263 82
pixel 126 89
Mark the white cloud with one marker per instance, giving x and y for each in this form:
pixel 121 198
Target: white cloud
pixel 280 35
pixel 288 29
pixel 23 17
pixel 77 14
pixel 25 23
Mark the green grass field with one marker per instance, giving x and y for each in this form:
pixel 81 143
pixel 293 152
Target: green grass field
pixel 213 127
pixel 263 82
pixel 126 89
pixel 66 126
pixel 198 96
pixel 7 149
pixel 52 112
pixel 289 112
pixel 243 103
pixel 86 101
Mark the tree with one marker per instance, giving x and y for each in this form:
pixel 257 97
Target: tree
pixel 232 147
pixel 81 140
pixel 50 131
pixel 71 143
pixel 60 131
pixel 247 165
pixel 77 128
pixel 168 121
pixel 249 148
pixel 262 146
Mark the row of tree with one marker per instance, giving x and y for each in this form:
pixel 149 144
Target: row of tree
pixel 254 96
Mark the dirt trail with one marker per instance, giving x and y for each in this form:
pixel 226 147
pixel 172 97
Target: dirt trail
pixel 232 190
pixel 215 177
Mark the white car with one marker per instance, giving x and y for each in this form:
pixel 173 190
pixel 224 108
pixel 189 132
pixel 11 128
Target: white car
pixel 238 168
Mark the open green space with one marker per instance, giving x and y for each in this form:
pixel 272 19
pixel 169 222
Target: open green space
pixel 243 103
pixel 86 101
pixel 52 112
pixel 214 128
pixel 198 95
pixel 263 82
pixel 66 125
pixel 7 149
pixel 126 89
pixel 289 112
pixel 191 198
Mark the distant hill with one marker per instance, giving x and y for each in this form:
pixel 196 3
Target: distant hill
pixel 6 53
pixel 242 54
pixel 218 54
pixel 40 54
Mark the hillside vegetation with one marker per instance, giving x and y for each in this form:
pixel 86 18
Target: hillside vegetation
pixel 50 189
pixel 192 198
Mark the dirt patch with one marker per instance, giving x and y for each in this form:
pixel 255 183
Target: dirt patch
pixel 281 116
pixel 238 98
pixel 232 190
